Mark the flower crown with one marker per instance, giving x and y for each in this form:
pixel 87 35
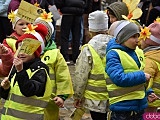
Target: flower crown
pixel 134 11
pixel 12 16
pixel 30 29
pixel 46 16
pixel 145 33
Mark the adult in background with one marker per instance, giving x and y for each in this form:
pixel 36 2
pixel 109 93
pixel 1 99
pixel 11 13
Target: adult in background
pixel 14 4
pixel 5 25
pixel 154 12
pixel 72 11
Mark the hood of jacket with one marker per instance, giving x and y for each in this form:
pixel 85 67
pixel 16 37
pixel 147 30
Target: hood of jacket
pixel 99 43
pixel 152 52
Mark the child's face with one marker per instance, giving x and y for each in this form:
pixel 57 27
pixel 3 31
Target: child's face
pixel 20 25
pixel 132 42
pixel 112 18
pixel 25 57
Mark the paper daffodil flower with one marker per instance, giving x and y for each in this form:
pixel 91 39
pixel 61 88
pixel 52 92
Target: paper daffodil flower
pixel 11 16
pixel 36 4
pixel 30 29
pixel 157 20
pixel 144 34
pixel 46 16
pixel 134 11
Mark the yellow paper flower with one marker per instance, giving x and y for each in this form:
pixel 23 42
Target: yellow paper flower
pixel 134 11
pixel 157 20
pixel 11 16
pixel 36 4
pixel 46 17
pixel 30 29
pixel 145 33
pixel 128 18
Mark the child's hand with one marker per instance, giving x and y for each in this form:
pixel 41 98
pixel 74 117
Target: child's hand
pixel 77 103
pixel 18 64
pixel 148 76
pixel 152 97
pixel 3 49
pixel 5 84
pixel 59 101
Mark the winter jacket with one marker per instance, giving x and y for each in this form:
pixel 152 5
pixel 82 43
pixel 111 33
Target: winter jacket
pixel 29 86
pixel 152 67
pixel 10 42
pixel 71 6
pixel 6 63
pixel 60 78
pixel 4 7
pixel 84 65
pixel 116 73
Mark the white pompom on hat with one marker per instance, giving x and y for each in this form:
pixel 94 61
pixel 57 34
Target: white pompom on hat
pixel 98 21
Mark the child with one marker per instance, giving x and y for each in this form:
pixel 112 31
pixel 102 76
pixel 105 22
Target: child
pixel 28 88
pixel 124 66
pixel 18 25
pixel 151 48
pixel 90 79
pixel 58 72
pixel 116 10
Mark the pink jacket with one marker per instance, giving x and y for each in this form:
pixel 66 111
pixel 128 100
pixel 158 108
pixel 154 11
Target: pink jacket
pixel 6 63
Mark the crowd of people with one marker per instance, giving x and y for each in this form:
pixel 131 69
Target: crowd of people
pixel 117 73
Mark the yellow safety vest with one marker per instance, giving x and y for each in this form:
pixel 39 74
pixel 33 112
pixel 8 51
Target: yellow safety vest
pixel 52 110
pixel 116 93
pixel 156 89
pixel 12 43
pixel 96 88
pixel 49 58
pixel 18 107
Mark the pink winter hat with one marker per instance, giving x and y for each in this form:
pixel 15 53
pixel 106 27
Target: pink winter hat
pixel 154 38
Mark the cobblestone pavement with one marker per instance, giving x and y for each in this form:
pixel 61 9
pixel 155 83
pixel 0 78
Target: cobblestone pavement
pixel 65 113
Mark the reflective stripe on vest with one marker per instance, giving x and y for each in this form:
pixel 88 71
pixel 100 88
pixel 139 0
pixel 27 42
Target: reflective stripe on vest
pixel 17 106
pixel 116 93
pixel 156 88
pixel 12 43
pixel 96 88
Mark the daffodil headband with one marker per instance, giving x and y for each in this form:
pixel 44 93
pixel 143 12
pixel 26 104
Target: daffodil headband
pixel 13 17
pixel 146 34
pixel 47 17
pixel 31 30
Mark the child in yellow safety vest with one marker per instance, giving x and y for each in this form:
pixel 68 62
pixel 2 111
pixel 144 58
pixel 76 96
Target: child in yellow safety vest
pixel 124 66
pixel 28 88
pixel 90 78
pixel 150 43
